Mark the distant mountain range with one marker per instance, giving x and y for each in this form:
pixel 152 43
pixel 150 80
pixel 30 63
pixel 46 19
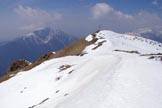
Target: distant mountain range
pixel 32 45
pixel 150 33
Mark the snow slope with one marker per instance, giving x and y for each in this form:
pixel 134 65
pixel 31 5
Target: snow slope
pixel 102 78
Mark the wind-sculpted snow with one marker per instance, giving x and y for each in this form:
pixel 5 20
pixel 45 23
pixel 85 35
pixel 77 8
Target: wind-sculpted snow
pixel 111 74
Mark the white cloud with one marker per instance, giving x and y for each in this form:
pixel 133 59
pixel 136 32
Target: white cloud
pixel 101 10
pixel 109 18
pixel 35 18
pixel 101 14
pixel 155 2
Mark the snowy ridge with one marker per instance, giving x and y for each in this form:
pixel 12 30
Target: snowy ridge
pixel 102 78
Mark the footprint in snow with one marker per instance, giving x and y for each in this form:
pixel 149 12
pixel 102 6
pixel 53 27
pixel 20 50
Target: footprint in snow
pixel 57 91
pixel 70 72
pixel 23 89
pixel 66 94
pixel 58 78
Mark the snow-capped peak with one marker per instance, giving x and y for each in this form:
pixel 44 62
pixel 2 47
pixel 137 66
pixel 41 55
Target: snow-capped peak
pixel 44 35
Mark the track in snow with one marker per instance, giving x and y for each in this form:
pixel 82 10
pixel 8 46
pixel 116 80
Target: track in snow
pixel 95 70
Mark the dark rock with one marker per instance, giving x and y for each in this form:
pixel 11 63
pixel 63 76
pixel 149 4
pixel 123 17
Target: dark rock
pixel 151 57
pixel 18 65
pixel 64 67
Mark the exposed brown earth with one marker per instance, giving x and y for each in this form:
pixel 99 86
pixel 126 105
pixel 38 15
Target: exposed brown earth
pixel 151 54
pixel 155 57
pixel 135 52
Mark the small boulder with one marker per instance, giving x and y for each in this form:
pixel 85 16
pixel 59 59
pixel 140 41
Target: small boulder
pixel 47 56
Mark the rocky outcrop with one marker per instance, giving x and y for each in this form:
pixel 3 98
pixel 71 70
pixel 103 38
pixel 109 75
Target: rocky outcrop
pixel 19 65
pixel 15 67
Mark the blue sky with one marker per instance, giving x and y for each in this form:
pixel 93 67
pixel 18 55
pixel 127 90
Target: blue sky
pixel 22 16
pixel 123 5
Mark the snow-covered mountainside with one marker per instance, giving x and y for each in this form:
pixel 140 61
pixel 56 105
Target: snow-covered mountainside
pixel 117 71
pixel 32 45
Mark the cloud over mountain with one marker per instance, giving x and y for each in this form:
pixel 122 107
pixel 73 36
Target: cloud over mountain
pixel 35 18
pixel 76 19
pixel 104 9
